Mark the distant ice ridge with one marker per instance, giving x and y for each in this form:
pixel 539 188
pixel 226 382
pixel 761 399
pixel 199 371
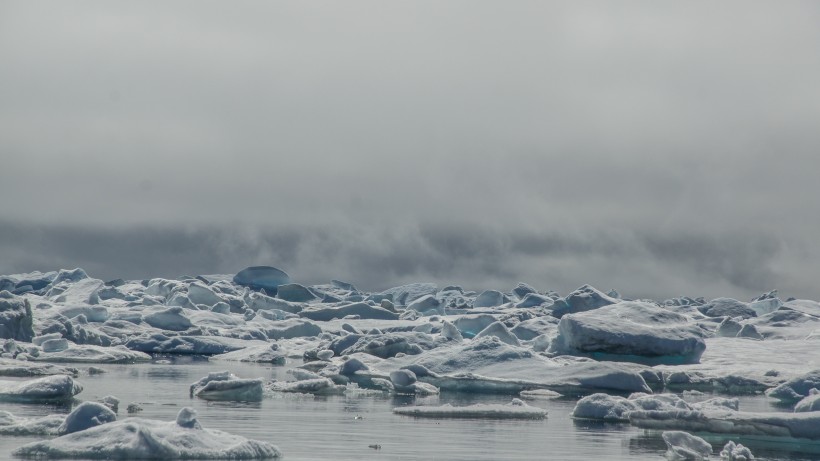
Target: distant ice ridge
pixel 138 438
pixel 516 409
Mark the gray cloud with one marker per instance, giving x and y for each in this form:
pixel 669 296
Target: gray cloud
pixel 659 148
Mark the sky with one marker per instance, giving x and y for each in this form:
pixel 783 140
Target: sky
pixel 659 148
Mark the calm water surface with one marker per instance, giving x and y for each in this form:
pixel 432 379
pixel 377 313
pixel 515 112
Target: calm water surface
pixel 324 428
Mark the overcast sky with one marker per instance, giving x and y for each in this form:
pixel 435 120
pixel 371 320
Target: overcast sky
pixel 660 148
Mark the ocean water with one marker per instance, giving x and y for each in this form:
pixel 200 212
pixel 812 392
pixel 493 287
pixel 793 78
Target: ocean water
pixel 343 427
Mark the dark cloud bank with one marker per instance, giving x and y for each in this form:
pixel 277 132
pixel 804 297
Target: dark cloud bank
pixel 661 149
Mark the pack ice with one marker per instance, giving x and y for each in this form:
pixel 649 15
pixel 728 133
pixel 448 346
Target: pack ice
pixel 414 340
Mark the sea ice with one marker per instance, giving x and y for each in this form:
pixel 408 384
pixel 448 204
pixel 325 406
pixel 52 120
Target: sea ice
pixel 262 277
pixel 631 331
pixel 16 318
pixel 516 409
pixel 138 438
pixel 55 388
pixel 225 385
pixel 682 446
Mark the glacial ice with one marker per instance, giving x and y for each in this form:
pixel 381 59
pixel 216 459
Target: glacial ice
pixel 516 409
pixel 138 438
pixel 735 452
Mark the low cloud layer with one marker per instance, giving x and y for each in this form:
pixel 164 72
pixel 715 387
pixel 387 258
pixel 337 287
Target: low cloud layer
pixel 661 149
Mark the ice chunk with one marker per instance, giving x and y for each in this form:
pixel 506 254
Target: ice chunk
pixel 501 332
pixel 16 319
pixel 295 293
pixel 631 331
pixel 199 293
pixel 203 345
pixel 21 369
pixel 81 292
pixel 450 332
pixel 683 446
pixel 361 309
pixel 797 388
pixel 258 301
pixel 471 325
pixel 171 319
pixel 427 304
pixel 583 299
pixel 809 403
pixel 319 386
pixel 490 298
pixel 225 385
pixel 516 409
pixel 13 425
pixel 57 388
pixel 522 290
pixel 138 438
pixel 86 415
pixel 406 294
pixel 785 426
pixel 86 353
pixel 615 408
pixel 727 307
pixel 262 277
pixel 535 299
pixel 736 452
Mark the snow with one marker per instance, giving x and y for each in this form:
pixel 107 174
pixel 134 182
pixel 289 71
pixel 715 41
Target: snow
pixel 516 409
pixel 56 388
pixel 138 438
pixel 226 386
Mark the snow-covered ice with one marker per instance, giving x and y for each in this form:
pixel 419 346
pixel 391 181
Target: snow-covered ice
pixel 516 409
pixel 55 388
pixel 226 386
pixel 138 438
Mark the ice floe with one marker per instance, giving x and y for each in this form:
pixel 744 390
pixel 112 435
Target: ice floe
pixel 138 438
pixel 516 409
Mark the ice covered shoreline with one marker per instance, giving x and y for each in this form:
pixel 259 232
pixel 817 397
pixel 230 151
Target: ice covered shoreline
pixel 415 339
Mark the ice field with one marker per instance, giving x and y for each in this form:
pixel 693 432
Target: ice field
pixel 256 366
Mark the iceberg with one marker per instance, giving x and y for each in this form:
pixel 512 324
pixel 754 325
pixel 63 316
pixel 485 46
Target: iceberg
pixel 516 409
pixel 138 438
pixel 631 331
